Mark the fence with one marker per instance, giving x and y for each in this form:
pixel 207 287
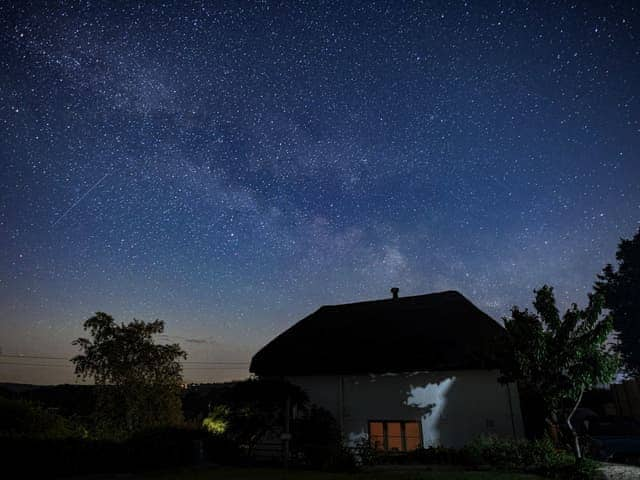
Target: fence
pixel 627 398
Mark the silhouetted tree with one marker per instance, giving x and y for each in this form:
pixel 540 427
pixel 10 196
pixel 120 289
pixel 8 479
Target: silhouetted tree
pixel 621 290
pixel 253 409
pixel 138 381
pixel 558 358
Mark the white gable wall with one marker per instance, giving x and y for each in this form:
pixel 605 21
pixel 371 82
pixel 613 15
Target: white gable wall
pixel 453 407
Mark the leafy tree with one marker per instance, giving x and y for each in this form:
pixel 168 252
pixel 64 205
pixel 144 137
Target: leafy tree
pixel 621 290
pixel 138 381
pixel 558 358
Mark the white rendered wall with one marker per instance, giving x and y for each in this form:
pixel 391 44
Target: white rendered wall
pixel 453 407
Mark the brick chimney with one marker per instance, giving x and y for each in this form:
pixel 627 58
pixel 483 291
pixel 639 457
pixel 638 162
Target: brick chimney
pixel 394 292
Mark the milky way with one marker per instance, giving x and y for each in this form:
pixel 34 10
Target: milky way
pixel 230 167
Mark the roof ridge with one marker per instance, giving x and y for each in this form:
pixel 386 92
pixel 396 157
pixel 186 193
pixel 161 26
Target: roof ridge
pixel 399 299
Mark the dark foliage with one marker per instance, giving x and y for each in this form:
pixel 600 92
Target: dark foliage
pixel 5 392
pixel 621 290
pixel 255 408
pixel 68 400
pixel 539 456
pixel 317 442
pixel 198 399
pixel 156 448
pixel 165 447
pixel 535 413
pixel 22 418
pixel 68 456
pixel 222 450
pixel 342 460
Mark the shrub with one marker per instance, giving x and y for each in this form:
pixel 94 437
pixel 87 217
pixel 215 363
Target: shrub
pixel 538 456
pixel 154 448
pixel 217 422
pixel 437 455
pixel 317 439
pixel 365 453
pixel 341 460
pixel 22 418
pixel 543 455
pixel 585 469
pixel 61 456
pixel 496 451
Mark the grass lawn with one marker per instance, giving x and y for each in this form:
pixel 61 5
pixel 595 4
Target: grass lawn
pixel 224 473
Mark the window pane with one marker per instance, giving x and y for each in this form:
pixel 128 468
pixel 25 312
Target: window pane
pixel 412 435
pixel 376 435
pixel 394 436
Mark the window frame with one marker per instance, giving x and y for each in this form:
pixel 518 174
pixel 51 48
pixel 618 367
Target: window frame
pixel 403 434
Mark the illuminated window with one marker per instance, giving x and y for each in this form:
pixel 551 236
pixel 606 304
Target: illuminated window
pixel 395 436
pixel 376 435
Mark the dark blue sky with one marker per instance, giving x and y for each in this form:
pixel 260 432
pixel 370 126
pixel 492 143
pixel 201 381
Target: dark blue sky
pixel 230 166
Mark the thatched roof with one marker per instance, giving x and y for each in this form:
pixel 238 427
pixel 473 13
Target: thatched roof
pixel 438 331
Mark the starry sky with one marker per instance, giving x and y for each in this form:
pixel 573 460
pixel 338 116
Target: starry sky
pixel 228 167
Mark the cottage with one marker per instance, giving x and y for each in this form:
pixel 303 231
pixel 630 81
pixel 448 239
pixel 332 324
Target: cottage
pixel 404 372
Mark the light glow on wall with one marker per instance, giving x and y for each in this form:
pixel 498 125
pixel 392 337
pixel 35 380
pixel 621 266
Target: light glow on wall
pixel 433 398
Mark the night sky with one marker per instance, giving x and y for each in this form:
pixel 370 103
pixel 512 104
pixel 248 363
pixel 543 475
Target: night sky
pixel 230 167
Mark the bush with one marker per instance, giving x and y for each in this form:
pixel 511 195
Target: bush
pixel 341 460
pixel 149 449
pixel 35 440
pixel 496 451
pixel 584 469
pixel 57 456
pixel 317 442
pixel 538 456
pixel 543 455
pixel 21 418
pixel 365 453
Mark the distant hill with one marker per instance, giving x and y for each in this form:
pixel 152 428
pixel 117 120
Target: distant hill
pixel 17 387
pixel 67 399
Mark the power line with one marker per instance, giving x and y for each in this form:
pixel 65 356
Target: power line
pixel 214 363
pixel 35 357
pixel 187 367
pixel 190 367
pixel 34 364
pixel 42 357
